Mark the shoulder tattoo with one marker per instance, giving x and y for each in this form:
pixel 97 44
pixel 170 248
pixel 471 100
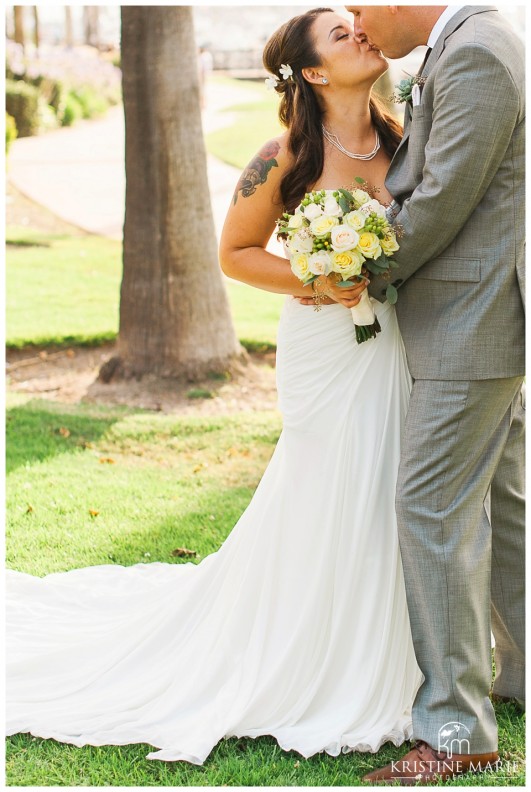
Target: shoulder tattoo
pixel 257 170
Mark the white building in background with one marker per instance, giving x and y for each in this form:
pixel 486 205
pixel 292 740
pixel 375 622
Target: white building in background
pixel 230 27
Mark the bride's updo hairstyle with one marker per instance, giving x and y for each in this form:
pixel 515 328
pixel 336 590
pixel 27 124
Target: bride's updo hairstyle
pixel 299 110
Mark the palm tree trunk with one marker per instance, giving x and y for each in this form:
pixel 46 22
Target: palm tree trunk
pixel 91 25
pixel 36 30
pixel 69 28
pixel 18 17
pixel 174 312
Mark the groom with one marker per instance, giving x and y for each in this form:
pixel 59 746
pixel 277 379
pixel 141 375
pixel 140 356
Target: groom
pixel 458 183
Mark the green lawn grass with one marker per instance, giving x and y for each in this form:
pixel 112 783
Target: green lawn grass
pixel 65 290
pixel 157 482
pixel 252 124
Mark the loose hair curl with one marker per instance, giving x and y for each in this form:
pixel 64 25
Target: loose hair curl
pixel 299 109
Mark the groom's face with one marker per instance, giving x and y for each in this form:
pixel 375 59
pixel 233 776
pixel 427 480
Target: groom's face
pixel 380 26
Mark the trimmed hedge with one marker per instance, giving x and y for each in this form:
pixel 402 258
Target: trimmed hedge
pixel 22 102
pixel 53 92
pixel 73 111
pixel 91 101
pixel 11 131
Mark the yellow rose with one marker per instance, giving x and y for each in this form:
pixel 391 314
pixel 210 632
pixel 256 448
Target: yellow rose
pixel 322 226
pixel 389 243
pixel 369 245
pixel 355 220
pixel 300 266
pixel 347 263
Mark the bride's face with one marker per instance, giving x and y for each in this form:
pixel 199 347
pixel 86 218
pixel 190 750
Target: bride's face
pixel 344 60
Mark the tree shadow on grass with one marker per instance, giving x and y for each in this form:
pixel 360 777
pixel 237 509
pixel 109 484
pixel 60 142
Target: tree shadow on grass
pixel 39 430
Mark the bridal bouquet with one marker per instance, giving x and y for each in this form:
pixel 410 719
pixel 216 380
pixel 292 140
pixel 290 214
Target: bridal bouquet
pixel 341 231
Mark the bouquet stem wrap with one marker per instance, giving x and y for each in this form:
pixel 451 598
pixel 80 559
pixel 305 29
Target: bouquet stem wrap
pixel 364 318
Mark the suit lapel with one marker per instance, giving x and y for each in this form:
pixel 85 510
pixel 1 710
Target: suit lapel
pixel 407 127
pixel 454 23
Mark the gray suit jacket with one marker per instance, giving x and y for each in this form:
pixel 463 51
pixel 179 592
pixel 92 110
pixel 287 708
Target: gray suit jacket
pixel 458 182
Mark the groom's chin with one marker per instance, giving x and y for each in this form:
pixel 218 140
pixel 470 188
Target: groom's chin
pixel 398 50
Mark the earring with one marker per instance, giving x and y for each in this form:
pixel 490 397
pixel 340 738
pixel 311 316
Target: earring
pixel 324 81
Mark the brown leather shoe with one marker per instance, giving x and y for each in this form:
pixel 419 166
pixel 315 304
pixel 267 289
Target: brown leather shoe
pixel 424 765
pixel 516 702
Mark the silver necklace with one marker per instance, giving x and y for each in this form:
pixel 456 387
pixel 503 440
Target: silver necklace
pixel 334 140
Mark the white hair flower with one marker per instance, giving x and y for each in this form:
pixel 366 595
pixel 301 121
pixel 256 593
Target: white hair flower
pixel 271 82
pixel 286 71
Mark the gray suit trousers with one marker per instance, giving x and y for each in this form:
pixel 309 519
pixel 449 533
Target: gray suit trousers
pixel 462 441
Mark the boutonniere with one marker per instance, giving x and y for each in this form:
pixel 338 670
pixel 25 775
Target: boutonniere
pixel 404 89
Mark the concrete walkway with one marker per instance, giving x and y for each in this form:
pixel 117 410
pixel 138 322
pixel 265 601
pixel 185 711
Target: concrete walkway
pixel 78 172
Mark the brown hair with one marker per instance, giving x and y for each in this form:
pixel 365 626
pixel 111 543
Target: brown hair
pixel 299 109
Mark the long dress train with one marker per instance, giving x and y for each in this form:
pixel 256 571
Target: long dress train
pixel 297 627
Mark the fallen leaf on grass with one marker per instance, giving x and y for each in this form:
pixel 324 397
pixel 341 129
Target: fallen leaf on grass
pixel 200 466
pixel 183 551
pixel 29 509
pixel 64 431
pixel 237 451
pixel 107 460
pixel 93 512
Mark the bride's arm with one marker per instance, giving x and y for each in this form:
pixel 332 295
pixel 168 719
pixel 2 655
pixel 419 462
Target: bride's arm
pixel 250 222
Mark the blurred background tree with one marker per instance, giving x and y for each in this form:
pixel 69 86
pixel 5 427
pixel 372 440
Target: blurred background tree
pixel 69 29
pixel 18 19
pixel 91 25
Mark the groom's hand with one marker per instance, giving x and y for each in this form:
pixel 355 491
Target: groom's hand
pixel 349 297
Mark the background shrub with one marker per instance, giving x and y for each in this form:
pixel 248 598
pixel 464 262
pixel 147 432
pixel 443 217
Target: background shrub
pixel 73 110
pixel 92 102
pixel 11 131
pixel 22 102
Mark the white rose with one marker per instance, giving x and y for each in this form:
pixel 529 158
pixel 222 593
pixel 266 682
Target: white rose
pixel 322 226
pixel 361 197
pixel 373 206
pixel 356 219
pixel 347 263
pixel 295 222
pixel 301 242
pixel 389 243
pixel 300 266
pixel 344 238
pixel 369 245
pixel 312 211
pixel 320 263
pixel 331 207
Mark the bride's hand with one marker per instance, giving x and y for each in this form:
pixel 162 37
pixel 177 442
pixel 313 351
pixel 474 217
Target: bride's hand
pixel 327 285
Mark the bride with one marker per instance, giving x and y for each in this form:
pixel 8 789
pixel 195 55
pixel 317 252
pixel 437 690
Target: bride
pixel 297 627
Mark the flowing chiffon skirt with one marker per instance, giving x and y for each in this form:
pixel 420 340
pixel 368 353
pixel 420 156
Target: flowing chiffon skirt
pixel 297 627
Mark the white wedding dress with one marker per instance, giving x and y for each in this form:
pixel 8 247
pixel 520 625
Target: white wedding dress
pixel 297 627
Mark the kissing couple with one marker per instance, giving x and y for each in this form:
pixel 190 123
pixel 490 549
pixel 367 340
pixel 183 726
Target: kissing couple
pixel 353 602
